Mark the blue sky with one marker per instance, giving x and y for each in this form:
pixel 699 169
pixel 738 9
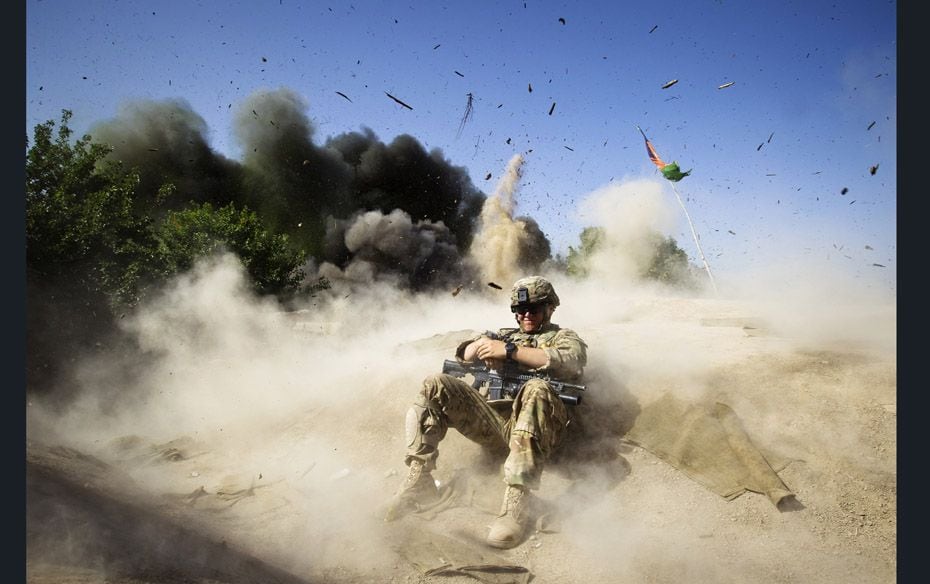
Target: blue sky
pixel 811 110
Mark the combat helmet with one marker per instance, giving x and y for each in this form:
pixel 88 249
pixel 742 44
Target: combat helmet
pixel 533 290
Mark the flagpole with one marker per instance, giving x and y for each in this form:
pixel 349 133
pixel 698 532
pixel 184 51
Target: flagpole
pixel 678 175
pixel 696 240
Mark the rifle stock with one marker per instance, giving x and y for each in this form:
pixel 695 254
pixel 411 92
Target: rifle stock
pixel 508 381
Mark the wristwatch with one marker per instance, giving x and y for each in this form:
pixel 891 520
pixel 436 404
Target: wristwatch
pixel 510 347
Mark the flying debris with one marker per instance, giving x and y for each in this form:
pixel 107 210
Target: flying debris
pixel 652 30
pixel 264 59
pixel 436 47
pixel 466 115
pixel 844 191
pixel 770 137
pixel 567 148
pixel 725 85
pixel 873 169
pixel 343 95
pixel 870 126
pixel 731 232
pixel 397 100
pixel 551 109
pixel 878 265
pixel 869 247
pixel 153 149
pixel 530 87
pixel 562 20
pixel 457 290
pixel 508 140
pixel 495 286
pixel 759 147
pixel 670 83
pixel 457 73
pixel 488 176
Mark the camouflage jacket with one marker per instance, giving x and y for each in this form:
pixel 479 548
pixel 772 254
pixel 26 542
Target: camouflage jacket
pixel 568 354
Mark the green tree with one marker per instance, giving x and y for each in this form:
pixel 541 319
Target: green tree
pixel 92 251
pixel 81 234
pixel 80 225
pixel 668 263
pixel 201 230
pixel 577 261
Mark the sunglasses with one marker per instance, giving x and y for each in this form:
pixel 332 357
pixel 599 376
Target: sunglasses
pixel 527 308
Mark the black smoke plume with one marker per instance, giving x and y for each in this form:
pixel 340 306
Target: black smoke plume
pixel 304 189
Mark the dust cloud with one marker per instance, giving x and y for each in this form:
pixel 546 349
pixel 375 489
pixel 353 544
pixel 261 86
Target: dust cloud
pixel 309 402
pixel 507 244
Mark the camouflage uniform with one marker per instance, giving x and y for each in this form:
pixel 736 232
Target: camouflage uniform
pixel 531 425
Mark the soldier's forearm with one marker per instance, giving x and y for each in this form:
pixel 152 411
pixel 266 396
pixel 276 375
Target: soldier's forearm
pixel 530 357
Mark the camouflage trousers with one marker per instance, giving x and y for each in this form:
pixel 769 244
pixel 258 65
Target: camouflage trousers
pixel 533 430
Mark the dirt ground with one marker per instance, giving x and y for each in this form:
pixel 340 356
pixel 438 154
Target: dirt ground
pixel 297 494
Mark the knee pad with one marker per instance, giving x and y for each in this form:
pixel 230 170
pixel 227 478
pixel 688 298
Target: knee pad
pixel 413 424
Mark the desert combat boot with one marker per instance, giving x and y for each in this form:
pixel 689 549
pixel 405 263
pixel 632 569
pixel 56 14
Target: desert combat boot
pixel 417 493
pixel 507 529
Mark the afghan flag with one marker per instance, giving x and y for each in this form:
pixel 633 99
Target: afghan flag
pixel 670 171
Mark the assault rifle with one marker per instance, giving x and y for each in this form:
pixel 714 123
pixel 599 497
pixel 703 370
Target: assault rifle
pixel 508 380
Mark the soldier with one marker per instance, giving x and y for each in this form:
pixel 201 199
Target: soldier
pixel 531 424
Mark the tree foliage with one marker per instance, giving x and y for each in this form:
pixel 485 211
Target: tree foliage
pixel 80 224
pixel 577 261
pixel 201 230
pixel 93 251
pixel 668 263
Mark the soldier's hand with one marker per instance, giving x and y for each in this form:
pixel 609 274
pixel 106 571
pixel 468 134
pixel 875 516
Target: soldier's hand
pixel 490 349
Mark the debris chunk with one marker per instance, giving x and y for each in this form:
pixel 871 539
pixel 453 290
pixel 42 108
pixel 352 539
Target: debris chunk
pixel 873 170
pixel 725 85
pixel 670 83
pixel 653 29
pixel 343 95
pixel 397 100
pixel 466 115
pixel 495 286
pixel 551 109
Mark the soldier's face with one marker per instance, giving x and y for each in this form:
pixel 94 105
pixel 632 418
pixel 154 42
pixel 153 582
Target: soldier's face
pixel 532 317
